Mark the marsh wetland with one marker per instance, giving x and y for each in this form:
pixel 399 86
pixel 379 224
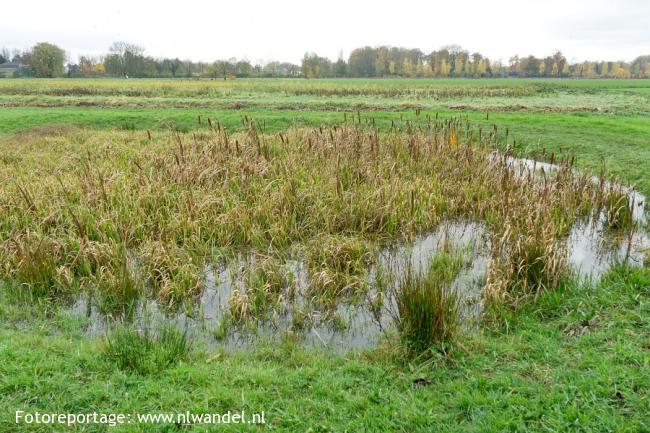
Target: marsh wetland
pixel 310 231
pixel 343 236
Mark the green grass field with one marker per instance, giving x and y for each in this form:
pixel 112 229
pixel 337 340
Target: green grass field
pixel 597 120
pixel 576 358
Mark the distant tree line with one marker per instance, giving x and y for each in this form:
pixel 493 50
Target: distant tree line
pixel 453 61
pixel 129 60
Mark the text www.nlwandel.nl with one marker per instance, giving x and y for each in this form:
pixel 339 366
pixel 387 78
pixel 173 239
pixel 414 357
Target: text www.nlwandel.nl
pixel 116 419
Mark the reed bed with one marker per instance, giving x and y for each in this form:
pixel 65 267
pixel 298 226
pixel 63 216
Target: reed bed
pixel 267 284
pixel 122 214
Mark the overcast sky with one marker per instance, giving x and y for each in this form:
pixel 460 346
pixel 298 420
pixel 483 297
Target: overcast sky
pixel 262 30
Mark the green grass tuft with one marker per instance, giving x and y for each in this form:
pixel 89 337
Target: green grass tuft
pixel 428 307
pixel 146 351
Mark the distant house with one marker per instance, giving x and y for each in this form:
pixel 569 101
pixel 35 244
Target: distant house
pixel 7 69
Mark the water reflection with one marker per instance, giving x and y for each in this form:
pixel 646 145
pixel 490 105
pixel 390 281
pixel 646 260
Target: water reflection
pixel 592 250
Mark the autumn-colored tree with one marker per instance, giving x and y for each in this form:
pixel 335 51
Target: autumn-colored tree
pixel 86 65
pixel 640 67
pixel 362 62
pixel 555 71
pixel 604 69
pixel 314 66
pixel 419 68
pixel 565 70
pixel 458 66
pixel 381 62
pixel 427 70
pixel 620 70
pixel 392 69
pixel 588 70
pixel 407 67
pixel 481 68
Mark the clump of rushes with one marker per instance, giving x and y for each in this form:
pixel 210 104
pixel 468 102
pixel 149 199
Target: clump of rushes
pixel 118 287
pixel 301 319
pixel 35 265
pixel 220 332
pixel 172 273
pixel 528 258
pixel 337 267
pixel 240 307
pixel 428 309
pixel 53 267
pixel 617 209
pixel 267 282
pixel 145 351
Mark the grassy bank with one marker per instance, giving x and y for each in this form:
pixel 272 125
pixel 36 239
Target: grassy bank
pixel 579 360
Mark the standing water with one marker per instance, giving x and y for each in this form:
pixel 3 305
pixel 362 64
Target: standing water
pixel 592 250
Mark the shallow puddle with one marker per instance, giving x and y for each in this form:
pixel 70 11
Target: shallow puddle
pixel 592 249
pixel 350 326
